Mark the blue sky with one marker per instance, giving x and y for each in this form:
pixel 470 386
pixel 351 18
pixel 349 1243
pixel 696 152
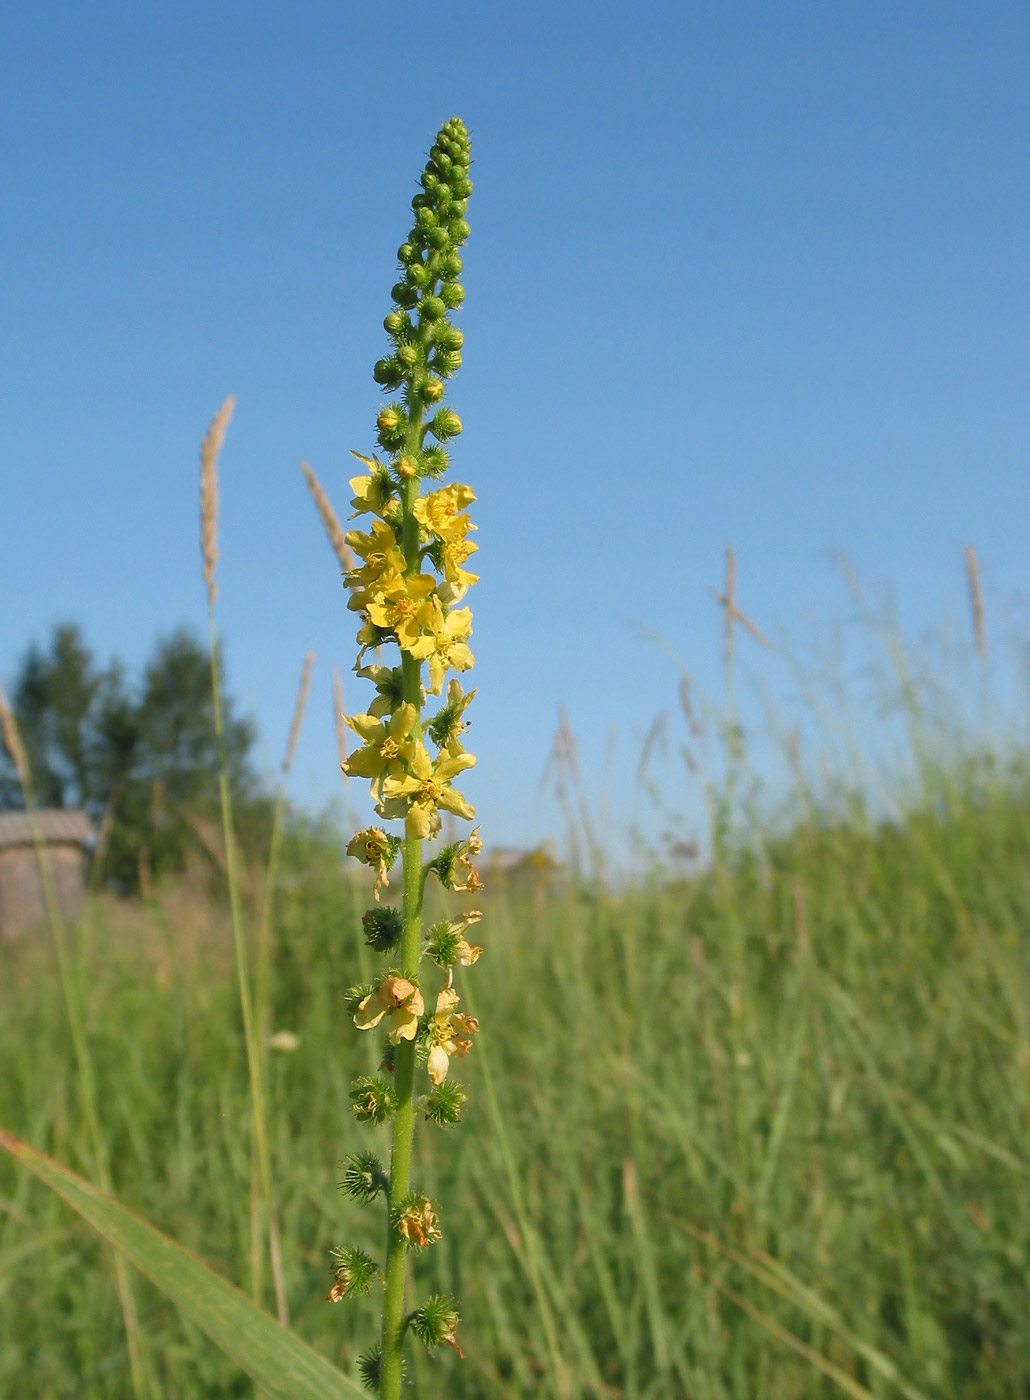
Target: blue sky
pixel 741 272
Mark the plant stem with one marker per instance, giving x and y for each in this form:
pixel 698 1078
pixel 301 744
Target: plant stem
pixel 404 1061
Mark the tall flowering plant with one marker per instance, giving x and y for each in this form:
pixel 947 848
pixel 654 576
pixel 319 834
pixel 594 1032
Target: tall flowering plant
pixel 407 585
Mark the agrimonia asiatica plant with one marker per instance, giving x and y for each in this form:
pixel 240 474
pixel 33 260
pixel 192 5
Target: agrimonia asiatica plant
pixel 407 585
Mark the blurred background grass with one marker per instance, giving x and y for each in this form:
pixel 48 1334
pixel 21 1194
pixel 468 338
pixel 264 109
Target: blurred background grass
pixel 759 1128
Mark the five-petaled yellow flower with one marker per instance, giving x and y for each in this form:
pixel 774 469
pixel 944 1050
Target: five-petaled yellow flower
pixel 386 747
pixel 427 787
pixel 405 605
pixel 449 648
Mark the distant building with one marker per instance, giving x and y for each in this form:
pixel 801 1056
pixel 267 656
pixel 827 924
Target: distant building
pixel 67 837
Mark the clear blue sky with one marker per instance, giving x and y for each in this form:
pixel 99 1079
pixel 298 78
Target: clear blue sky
pixel 746 272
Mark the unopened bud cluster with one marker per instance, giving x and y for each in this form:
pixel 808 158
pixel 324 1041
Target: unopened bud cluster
pixel 407 587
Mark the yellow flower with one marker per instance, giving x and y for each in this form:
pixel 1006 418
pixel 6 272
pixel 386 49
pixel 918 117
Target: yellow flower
pixel 397 999
pixel 450 1034
pixel 385 748
pixel 450 644
pixel 372 494
pixel 425 788
pixel 381 551
pixel 405 605
pixel 441 512
pixel 453 554
pixel 373 847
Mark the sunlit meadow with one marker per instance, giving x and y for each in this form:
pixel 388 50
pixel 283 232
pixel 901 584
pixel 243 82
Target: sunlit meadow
pixel 752 1122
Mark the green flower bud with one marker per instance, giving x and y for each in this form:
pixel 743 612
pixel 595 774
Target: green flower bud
pixel 404 295
pixel 451 265
pixel 429 181
pixel 435 461
pixel 449 337
pixel 425 218
pixel 418 274
pixel 406 252
pixel 389 373
pixel 407 355
pixel 431 391
pixel 431 308
pixel 393 322
pixel 445 362
pixel 445 424
pixel 420 201
pixel 459 231
pixel 392 425
pixel 438 238
pixel 459 207
pixel 452 294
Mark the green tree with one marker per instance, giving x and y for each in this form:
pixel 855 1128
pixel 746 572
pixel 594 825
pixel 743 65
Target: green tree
pixel 144 755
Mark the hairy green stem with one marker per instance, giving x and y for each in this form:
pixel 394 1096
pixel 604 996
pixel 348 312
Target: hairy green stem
pixel 394 1322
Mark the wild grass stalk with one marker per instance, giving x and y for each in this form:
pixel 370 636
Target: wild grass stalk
pixel 209 450
pixel 77 1026
pixel 261 994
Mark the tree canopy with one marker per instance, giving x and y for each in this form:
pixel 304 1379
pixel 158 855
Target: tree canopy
pixel 139 756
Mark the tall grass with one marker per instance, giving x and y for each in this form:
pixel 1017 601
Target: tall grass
pixel 760 1132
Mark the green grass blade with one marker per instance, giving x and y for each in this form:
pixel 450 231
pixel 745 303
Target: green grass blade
pixel 276 1359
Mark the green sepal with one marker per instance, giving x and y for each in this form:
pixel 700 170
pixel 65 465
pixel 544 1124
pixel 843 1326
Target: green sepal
pixel 354 1272
pixel 383 926
pixel 372 1099
pixel 445 1104
pixel 364 1176
pixel 435 1321
pixel 369 1365
pixel 354 996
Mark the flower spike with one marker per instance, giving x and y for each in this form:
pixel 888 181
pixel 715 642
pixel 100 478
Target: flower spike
pixel 409 578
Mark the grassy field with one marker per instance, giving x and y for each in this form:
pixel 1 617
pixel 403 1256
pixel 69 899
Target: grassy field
pixel 762 1132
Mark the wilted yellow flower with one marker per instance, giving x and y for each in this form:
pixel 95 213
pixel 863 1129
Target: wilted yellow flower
pixel 425 788
pixel 450 1034
pixel 373 847
pixel 386 747
pixel 418 1224
pixel 464 876
pixel 397 999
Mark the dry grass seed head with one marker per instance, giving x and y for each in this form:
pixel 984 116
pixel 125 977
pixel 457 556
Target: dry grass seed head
pixel 333 528
pixel 209 450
